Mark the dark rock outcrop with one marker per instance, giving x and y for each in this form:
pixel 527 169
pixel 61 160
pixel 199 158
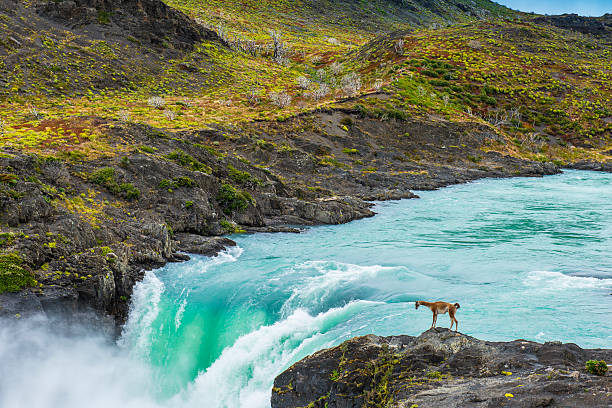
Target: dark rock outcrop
pixel 149 20
pixel 197 244
pixel 591 165
pixel 596 26
pixel 441 368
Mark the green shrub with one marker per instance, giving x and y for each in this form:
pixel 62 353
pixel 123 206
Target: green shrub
pixel 106 250
pixel 130 192
pixel 103 176
pixel 489 100
pixel 237 175
pixel 188 204
pixel 147 149
pixel 176 182
pixel 166 184
pixel 265 145
pixel 10 179
pixel 448 76
pixel 350 151
pixel 232 200
pixel 13 277
pixel 347 121
pixel 180 157
pixel 183 181
pixel 436 375
pixel 439 82
pixel 597 367
pixel 103 17
pixel 6 238
pixel 227 226
pixel 106 177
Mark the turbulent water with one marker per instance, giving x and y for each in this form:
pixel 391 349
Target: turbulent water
pixel 526 258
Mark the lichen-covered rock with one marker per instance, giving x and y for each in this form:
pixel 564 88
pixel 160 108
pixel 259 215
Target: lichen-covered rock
pixel 441 369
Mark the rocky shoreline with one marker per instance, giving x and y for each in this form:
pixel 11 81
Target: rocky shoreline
pixel 441 368
pixel 86 229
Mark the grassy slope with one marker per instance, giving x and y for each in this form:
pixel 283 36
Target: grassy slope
pixel 474 71
pixel 540 87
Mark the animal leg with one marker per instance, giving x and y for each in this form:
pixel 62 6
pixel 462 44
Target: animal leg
pixel 433 321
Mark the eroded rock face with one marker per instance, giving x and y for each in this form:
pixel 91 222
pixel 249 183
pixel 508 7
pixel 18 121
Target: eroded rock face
pixel 149 20
pixel 441 368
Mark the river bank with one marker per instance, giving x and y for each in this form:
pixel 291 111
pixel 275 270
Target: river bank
pixel 80 231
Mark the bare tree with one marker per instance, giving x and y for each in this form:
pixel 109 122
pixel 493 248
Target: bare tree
pixel 303 82
pixel 244 45
pixel 222 33
pixel 351 84
pixel 321 75
pixel 399 47
pixel 474 44
pixel 280 99
pixel 280 50
pixel 170 115
pixel 253 94
pixel 504 118
pixel 378 85
pixel 500 118
pixel 224 102
pixel 321 92
pixel 251 47
pixel 515 116
pixel 123 115
pixel 336 68
pixel 34 111
pixel 156 102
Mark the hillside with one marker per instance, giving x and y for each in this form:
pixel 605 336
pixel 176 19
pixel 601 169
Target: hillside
pixel 132 130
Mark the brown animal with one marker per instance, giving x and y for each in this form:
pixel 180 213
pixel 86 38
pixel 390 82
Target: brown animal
pixel 441 307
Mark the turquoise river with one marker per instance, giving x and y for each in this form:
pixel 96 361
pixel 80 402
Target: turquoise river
pixel 526 258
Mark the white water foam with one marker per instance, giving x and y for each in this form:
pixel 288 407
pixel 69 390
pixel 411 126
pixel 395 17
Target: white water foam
pixel 201 265
pixel 179 314
pixel 45 365
pixel 331 277
pixel 244 373
pixel 136 335
pixel 560 281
